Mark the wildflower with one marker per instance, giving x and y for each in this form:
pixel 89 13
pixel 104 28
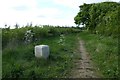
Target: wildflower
pixel 62 40
pixel 28 36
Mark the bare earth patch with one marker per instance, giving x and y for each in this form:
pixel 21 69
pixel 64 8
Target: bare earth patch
pixel 83 66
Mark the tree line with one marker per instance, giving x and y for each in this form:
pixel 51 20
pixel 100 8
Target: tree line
pixel 100 18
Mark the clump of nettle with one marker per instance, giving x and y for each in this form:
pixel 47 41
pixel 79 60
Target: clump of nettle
pixel 28 37
pixel 61 40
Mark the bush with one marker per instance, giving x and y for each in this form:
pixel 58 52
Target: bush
pixel 20 35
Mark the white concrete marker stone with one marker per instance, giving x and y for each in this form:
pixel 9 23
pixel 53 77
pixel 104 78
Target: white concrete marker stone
pixel 42 51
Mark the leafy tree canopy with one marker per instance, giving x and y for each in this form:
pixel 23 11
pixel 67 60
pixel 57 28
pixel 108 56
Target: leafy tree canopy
pixel 102 18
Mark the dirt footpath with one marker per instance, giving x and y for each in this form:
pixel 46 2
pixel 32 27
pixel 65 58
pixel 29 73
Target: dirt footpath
pixel 83 66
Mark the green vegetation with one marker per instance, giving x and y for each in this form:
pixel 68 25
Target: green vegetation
pixel 100 18
pixel 18 36
pixel 0 53
pixel 104 52
pixel 19 60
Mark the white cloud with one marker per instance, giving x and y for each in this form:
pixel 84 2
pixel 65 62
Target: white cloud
pixel 53 21
pixel 68 3
pixel 76 3
pixel 10 16
pixel 24 11
pixel 7 4
pixel 48 12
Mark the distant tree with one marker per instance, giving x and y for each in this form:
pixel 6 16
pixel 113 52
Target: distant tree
pixel 27 25
pixel 82 18
pixel 8 28
pixel 16 26
pixel 31 24
pixel 5 25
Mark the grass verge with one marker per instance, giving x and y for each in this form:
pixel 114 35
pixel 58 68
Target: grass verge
pixel 104 52
pixel 20 62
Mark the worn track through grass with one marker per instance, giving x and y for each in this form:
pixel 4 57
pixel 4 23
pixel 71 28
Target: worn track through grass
pixel 84 67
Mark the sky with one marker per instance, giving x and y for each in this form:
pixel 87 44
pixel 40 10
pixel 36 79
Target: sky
pixel 41 12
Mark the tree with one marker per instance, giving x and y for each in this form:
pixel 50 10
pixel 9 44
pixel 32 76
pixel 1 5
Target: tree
pixel 82 18
pixel 5 25
pixel 16 26
pixel 31 24
pixel 99 17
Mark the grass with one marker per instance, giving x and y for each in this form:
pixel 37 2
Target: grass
pixel 104 52
pixel 20 62
pixel 0 54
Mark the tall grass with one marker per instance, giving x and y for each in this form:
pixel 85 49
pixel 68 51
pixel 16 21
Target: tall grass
pixel 104 52
pixel 20 62
pixel 17 36
pixel 0 53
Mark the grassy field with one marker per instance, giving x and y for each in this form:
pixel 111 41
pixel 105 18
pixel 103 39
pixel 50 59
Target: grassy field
pixel 104 53
pixel 20 62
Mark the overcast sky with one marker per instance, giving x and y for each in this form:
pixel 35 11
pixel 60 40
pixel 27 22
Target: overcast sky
pixel 52 12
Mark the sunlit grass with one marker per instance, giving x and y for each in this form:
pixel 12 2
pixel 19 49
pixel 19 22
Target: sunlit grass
pixel 104 52
pixel 20 62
